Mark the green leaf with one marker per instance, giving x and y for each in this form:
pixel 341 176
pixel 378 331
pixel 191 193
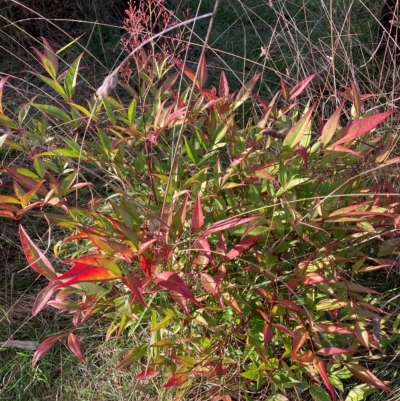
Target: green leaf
pixel 132 111
pixel 53 111
pixel 7 122
pixel 360 392
pixel 61 152
pixel 52 83
pixel 319 394
pixel 133 356
pixel 296 133
pixel 70 77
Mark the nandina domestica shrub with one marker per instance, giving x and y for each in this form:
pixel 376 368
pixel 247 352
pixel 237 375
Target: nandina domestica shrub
pixel 235 244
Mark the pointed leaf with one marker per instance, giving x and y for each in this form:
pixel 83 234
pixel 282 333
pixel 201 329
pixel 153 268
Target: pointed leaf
pixel 74 346
pixel 147 374
pixel 197 218
pixel 70 77
pixel 42 298
pixel 135 285
pixel 300 86
pixel 319 394
pixel 284 89
pixel 366 376
pixel 241 247
pixel 36 259
pixel 226 224
pixel 86 274
pixel 203 74
pixel 223 88
pixel 178 378
pixel 319 364
pixel 360 392
pixel 53 111
pixel 133 356
pixel 296 133
pixel 171 281
pixel 246 91
pixel 360 127
pixel 2 85
pixel 331 125
pixel 45 346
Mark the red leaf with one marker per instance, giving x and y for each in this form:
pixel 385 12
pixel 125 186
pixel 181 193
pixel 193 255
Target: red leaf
pixel 146 264
pixel 321 370
pixel 45 346
pixel 147 374
pixel 299 87
pixel 197 218
pixel 74 346
pixel 86 274
pixel 178 378
pixel 42 298
pixel 268 334
pixel 135 285
pixel 35 257
pixel 366 376
pixel 360 127
pixel 228 223
pixel 172 282
pixel 238 249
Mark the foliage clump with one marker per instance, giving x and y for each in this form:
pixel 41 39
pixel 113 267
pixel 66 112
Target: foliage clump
pixel 233 244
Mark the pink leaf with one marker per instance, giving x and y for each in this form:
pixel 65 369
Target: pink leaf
pixel 238 249
pixel 45 346
pixel 300 86
pixel 228 223
pixel 335 351
pixel 147 374
pixel 74 346
pixel 42 298
pixel 360 127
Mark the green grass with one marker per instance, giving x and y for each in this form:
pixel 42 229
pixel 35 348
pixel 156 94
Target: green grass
pixel 298 37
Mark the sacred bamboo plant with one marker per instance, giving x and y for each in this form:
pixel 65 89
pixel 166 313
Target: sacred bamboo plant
pixel 244 256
